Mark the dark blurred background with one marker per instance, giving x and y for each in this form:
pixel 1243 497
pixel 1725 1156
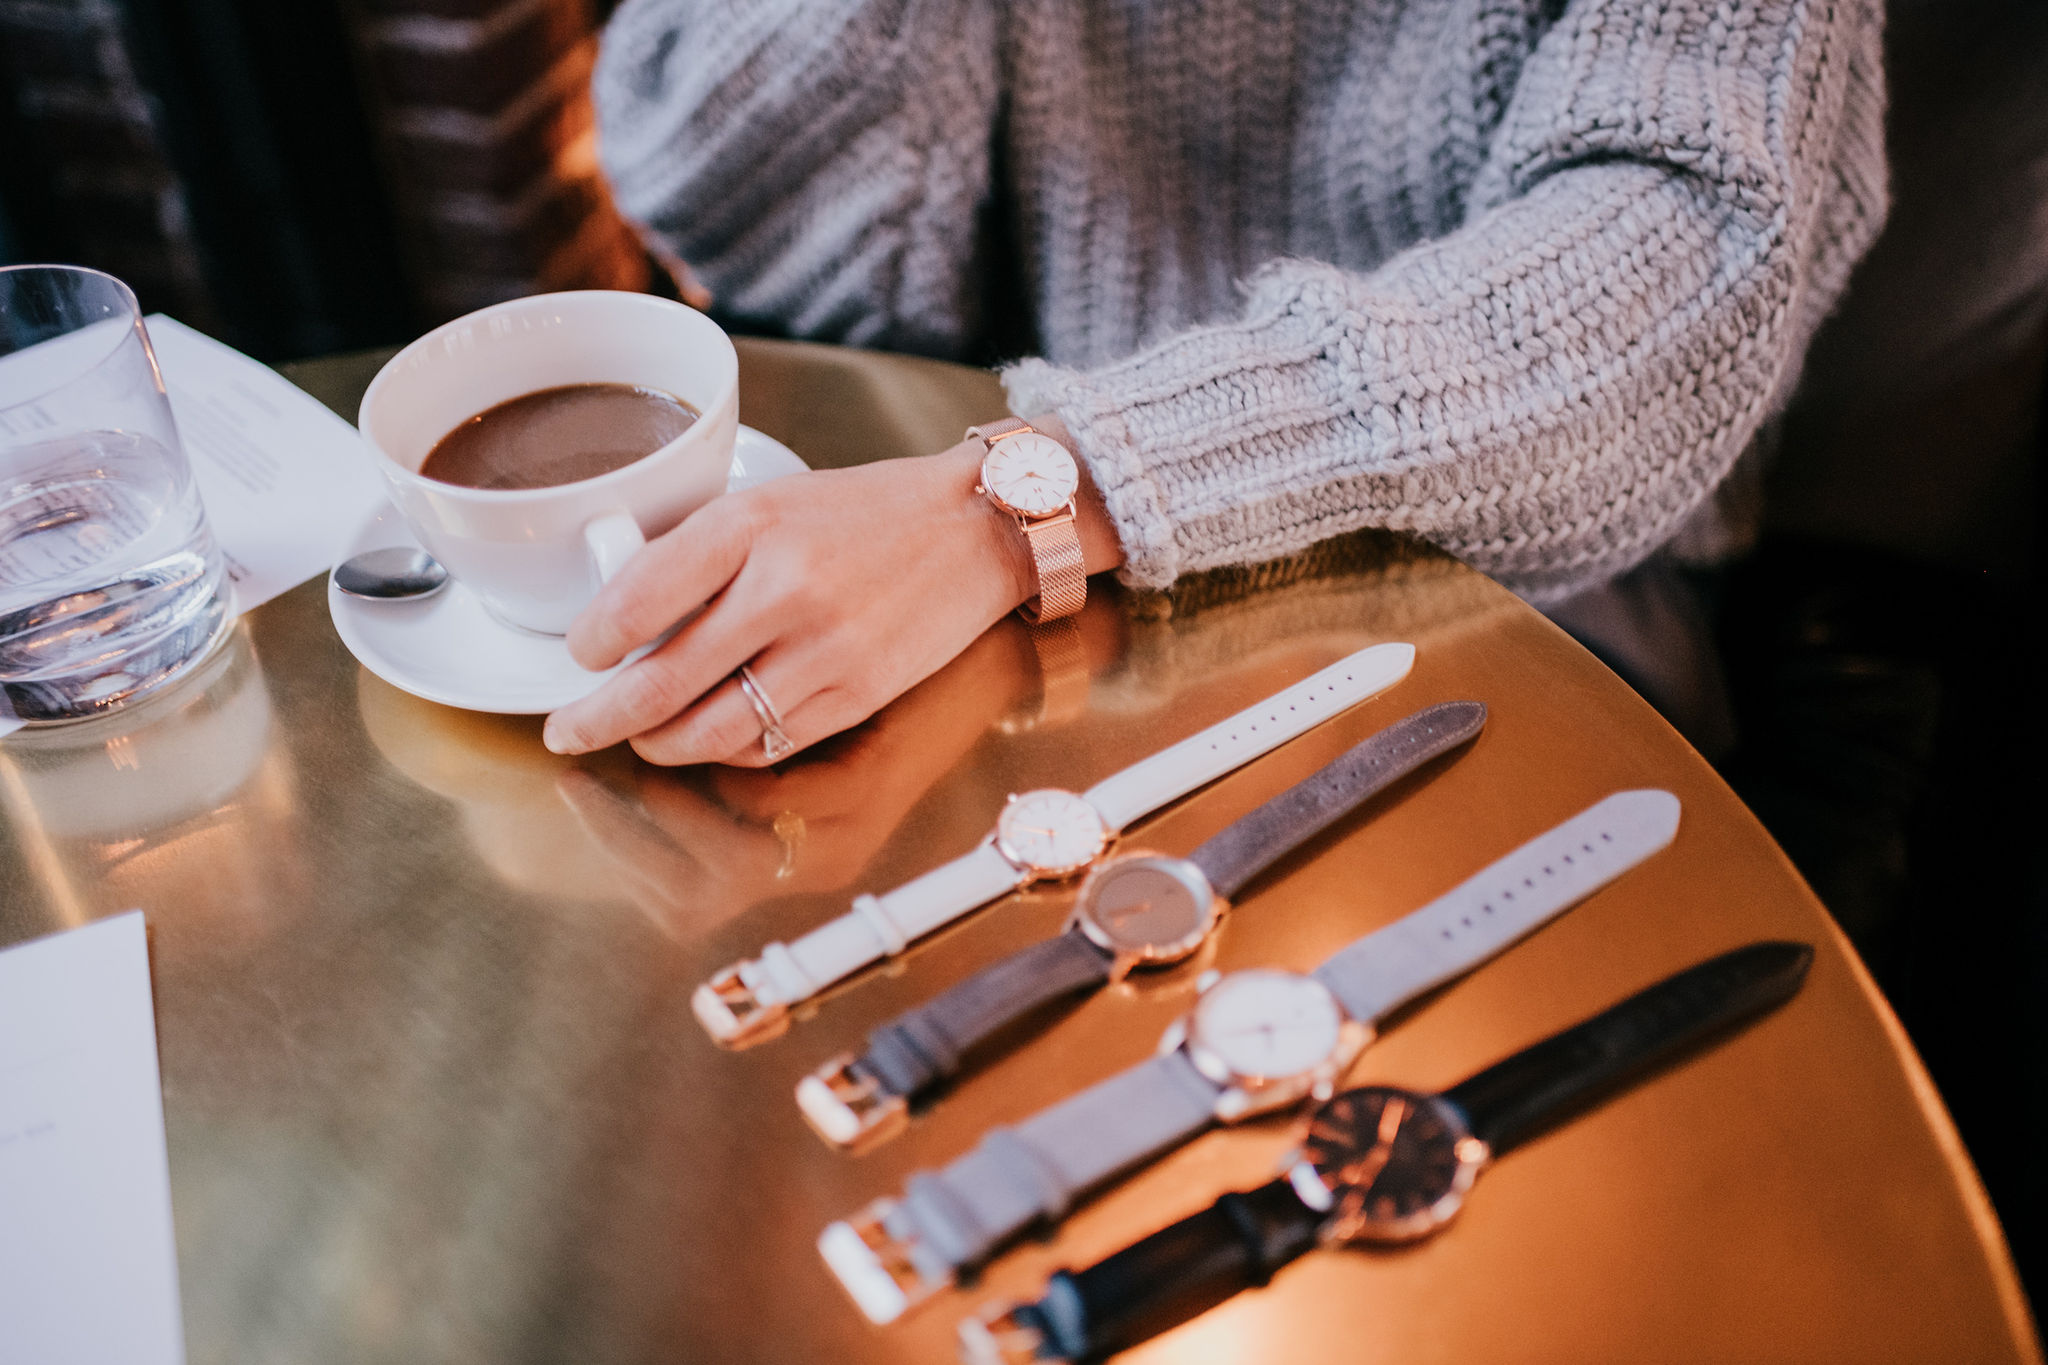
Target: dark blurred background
pixel 325 175
pixel 305 177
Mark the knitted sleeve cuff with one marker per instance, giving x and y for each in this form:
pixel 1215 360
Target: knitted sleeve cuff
pixel 1163 432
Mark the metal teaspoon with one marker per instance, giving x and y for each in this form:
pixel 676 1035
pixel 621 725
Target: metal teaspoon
pixel 390 574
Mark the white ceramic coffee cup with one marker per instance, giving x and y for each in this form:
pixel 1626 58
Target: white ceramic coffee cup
pixel 536 556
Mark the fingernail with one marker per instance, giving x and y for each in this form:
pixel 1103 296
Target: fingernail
pixel 558 738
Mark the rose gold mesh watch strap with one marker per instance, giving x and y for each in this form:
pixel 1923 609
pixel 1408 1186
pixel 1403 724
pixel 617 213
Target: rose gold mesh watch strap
pixel 1062 578
pixel 1055 546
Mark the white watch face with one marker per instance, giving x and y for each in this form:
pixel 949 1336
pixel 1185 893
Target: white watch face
pixel 1030 473
pixel 1267 1025
pixel 1050 832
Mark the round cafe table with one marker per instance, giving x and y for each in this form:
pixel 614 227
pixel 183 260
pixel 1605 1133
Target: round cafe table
pixel 434 1091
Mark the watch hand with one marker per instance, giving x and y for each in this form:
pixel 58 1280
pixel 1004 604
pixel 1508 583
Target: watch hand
pixel 1362 1172
pixel 1118 918
pixel 1390 1120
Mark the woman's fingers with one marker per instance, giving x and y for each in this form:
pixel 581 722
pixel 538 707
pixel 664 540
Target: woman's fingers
pixel 673 576
pixel 724 727
pixel 717 725
pixel 725 723
pixel 670 679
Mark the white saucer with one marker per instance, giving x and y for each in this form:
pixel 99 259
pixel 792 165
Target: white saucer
pixel 448 649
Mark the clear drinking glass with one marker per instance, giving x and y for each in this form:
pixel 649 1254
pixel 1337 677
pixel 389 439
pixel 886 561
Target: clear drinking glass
pixel 110 582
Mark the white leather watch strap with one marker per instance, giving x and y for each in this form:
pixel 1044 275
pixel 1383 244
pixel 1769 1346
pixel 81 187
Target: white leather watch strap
pixel 876 927
pixel 1173 772
pixel 883 926
pixel 1484 914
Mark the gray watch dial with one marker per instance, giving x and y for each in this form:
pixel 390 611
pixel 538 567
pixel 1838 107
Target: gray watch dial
pixel 1147 906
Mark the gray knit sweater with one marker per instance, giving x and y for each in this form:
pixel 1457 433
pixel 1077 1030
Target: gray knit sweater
pixel 1522 277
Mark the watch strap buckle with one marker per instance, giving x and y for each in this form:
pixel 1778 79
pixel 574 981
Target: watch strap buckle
pixel 881 1271
pixel 995 1336
pixel 846 1104
pixel 732 1012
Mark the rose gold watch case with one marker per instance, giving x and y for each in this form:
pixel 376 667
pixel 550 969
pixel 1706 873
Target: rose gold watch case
pixel 1106 930
pixel 1245 1094
pixel 1357 1224
pixel 1035 871
pixel 1070 475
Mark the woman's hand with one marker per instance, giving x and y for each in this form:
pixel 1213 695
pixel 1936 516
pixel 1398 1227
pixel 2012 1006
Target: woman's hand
pixel 839 589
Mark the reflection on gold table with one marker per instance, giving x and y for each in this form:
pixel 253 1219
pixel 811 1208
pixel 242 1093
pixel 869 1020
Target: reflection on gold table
pixel 434 1091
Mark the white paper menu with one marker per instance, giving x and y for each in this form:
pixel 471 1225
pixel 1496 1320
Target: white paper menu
pixel 285 481
pixel 88 1267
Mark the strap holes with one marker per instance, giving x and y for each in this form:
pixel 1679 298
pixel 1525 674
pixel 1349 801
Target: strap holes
pixel 1447 936
pixel 1486 909
pixel 1549 871
pixel 1467 921
pixel 1529 882
pixel 1568 861
pixel 1606 838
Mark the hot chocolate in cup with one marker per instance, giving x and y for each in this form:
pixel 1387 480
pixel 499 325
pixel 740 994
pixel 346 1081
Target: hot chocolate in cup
pixel 536 556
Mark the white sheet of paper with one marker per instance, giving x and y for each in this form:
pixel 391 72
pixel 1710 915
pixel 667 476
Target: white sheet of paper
pixel 285 482
pixel 88 1267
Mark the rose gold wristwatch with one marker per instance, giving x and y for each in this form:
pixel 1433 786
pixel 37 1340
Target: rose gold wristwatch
pixel 1034 478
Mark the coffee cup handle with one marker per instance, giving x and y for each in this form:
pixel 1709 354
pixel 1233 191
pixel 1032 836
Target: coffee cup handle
pixel 612 539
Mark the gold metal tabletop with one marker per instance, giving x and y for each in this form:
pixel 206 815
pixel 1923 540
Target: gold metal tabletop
pixel 434 1092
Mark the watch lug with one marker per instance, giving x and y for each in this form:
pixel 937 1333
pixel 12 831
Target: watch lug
pixel 1353 1037
pixel 1309 1185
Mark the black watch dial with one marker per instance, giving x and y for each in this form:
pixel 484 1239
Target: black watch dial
pixel 1147 906
pixel 1397 1164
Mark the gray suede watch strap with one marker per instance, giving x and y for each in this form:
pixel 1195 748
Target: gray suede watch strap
pixel 1484 914
pixel 1256 841
pixel 1019 1176
pixel 925 1045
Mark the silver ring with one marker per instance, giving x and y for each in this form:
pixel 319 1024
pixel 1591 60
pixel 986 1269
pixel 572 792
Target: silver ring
pixel 775 742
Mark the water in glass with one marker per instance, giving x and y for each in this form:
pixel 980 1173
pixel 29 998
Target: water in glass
pixel 110 581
